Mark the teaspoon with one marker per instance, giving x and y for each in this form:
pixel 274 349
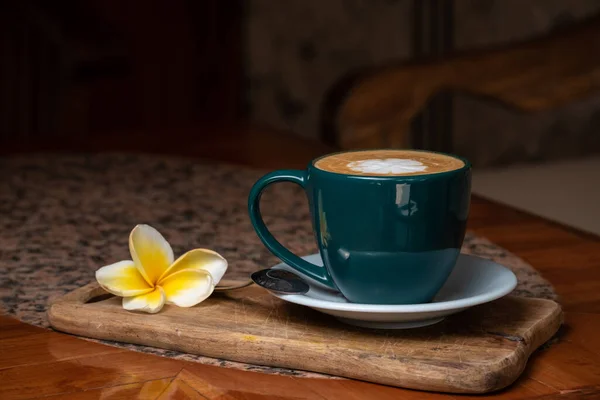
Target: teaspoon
pixel 226 285
pixel 280 281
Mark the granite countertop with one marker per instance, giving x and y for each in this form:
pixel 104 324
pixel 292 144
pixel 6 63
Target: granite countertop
pixel 64 216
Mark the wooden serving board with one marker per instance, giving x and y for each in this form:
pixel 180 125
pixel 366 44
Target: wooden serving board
pixel 479 350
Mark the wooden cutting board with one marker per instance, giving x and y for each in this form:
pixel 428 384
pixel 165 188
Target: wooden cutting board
pixel 479 350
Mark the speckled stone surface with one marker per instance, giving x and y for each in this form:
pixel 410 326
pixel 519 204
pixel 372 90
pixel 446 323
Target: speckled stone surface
pixel 64 216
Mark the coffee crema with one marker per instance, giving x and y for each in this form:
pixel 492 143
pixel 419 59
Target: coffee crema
pixel 388 163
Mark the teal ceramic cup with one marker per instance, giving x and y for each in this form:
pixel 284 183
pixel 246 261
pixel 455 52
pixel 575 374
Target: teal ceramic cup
pixel 383 239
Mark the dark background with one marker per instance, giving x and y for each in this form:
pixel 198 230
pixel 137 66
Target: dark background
pixel 84 67
pixel 75 71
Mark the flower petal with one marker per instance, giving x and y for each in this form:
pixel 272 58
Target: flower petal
pixel 200 259
pixel 188 287
pixel 151 302
pixel 122 279
pixel 150 251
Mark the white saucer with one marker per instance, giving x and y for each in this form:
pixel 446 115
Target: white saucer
pixel 473 281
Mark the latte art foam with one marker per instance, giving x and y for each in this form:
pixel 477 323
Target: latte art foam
pixel 388 163
pixel 387 166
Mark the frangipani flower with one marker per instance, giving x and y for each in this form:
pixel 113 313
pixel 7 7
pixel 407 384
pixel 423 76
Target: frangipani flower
pixel 152 278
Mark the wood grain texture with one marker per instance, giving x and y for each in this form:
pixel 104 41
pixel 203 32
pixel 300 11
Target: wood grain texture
pixel 376 107
pixel 148 390
pixel 83 373
pixel 480 350
pixel 547 371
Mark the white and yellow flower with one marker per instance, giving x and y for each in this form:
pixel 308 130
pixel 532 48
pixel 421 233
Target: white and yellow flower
pixel 152 278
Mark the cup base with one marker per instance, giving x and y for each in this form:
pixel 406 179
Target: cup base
pixel 390 325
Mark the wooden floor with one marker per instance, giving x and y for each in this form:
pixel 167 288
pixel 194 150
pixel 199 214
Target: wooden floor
pixel 36 363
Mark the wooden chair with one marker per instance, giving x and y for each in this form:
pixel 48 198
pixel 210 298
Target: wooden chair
pixel 374 108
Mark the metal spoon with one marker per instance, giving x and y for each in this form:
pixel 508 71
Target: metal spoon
pixel 280 281
pixel 226 285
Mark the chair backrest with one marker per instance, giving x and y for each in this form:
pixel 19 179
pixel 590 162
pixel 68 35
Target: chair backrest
pixel 374 108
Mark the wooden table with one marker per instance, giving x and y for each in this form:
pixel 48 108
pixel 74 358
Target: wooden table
pixel 36 363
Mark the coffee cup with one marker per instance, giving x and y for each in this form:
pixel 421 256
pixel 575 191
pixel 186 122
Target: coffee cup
pixel 389 224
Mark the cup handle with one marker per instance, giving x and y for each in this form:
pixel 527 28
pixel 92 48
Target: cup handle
pixel 298 177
